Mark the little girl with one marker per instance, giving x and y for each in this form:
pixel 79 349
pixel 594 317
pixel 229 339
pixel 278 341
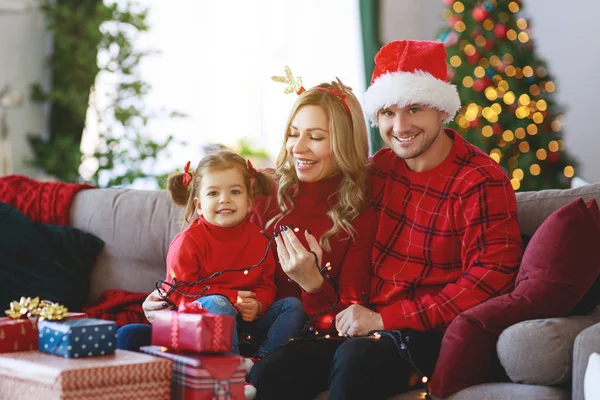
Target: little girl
pixel 218 197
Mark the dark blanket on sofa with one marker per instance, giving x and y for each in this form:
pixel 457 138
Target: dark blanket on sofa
pixel 42 260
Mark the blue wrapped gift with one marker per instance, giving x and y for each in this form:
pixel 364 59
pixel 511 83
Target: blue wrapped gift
pixel 74 338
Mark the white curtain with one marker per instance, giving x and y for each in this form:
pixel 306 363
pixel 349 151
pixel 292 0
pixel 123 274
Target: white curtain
pixel 216 59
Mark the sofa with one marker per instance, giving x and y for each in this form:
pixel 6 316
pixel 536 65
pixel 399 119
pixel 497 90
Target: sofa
pixel 547 358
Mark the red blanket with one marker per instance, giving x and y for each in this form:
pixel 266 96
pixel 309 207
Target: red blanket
pixel 119 306
pixel 45 202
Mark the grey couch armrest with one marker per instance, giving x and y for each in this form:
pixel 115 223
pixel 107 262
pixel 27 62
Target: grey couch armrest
pixel 586 343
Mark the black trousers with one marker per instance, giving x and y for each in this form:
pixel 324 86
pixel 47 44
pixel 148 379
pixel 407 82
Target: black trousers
pixel 359 368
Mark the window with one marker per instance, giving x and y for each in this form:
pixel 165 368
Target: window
pixel 216 59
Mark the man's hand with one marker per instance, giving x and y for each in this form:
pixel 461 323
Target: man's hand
pixel 152 304
pixel 247 305
pixel 357 321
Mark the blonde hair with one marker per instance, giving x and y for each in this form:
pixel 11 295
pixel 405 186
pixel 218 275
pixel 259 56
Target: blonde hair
pixel 350 152
pixel 259 184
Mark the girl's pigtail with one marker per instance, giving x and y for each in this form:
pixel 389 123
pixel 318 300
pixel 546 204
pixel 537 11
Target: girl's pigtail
pixel 262 184
pixel 178 193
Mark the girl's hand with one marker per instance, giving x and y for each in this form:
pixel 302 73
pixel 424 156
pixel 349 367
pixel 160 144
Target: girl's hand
pixel 152 304
pixel 299 263
pixel 248 307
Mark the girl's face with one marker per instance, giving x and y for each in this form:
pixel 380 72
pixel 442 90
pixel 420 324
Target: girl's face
pixel 223 198
pixel 309 145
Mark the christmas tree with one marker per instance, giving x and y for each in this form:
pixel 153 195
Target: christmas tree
pixel 506 91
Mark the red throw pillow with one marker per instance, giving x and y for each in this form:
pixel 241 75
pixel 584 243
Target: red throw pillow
pixel 560 264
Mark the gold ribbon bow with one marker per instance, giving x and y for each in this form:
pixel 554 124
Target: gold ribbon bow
pixel 34 309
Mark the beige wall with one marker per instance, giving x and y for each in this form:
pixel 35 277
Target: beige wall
pixel 566 35
pixel 23 43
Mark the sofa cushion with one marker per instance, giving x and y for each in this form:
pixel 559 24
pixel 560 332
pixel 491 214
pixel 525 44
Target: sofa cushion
pixel 540 351
pixel 137 227
pixel 47 261
pixel 559 265
pixel 591 383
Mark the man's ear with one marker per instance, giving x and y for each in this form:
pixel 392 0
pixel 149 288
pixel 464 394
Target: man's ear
pixel 443 115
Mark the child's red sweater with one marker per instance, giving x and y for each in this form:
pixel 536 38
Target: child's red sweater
pixel 350 260
pixel 202 249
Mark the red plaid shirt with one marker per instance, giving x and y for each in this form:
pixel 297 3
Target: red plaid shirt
pixel 448 238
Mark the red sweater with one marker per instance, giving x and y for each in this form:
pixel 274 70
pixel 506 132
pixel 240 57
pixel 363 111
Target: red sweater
pixel 448 238
pixel 202 249
pixel 350 260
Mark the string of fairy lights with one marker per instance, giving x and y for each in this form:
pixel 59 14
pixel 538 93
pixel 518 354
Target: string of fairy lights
pixel 491 22
pixel 166 288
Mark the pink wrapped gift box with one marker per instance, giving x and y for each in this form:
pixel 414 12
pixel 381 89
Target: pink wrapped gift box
pixel 124 375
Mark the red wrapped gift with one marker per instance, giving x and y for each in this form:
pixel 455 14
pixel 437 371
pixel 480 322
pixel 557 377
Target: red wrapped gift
pixel 17 335
pixel 123 375
pixel 192 328
pixel 22 334
pixel 204 377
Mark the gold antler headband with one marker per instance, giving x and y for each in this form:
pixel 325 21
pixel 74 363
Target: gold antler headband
pixel 295 85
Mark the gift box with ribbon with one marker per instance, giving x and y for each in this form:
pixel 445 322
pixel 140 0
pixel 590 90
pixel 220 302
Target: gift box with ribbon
pixel 19 332
pixel 84 337
pixel 204 377
pixel 123 375
pixel 193 329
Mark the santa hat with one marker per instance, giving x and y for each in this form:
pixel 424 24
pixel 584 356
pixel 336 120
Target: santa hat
pixel 411 72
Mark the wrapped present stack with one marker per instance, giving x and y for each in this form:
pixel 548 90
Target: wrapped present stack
pixel 199 344
pixel 19 330
pixel 87 366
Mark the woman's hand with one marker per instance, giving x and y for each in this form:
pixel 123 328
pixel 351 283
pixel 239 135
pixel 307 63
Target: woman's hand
pixel 299 263
pixel 152 304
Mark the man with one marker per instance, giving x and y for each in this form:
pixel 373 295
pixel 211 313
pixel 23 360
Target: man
pixel 447 240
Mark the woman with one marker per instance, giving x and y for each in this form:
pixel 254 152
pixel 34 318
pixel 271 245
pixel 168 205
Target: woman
pixel 321 195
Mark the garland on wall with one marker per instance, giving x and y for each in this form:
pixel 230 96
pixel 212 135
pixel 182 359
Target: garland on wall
pixel 81 31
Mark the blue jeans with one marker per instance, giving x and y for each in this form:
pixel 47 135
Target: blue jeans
pixel 282 321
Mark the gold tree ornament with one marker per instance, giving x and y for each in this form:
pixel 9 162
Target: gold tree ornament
pixel 294 84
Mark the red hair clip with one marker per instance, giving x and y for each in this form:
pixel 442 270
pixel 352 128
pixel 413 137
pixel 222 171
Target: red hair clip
pixel 187 176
